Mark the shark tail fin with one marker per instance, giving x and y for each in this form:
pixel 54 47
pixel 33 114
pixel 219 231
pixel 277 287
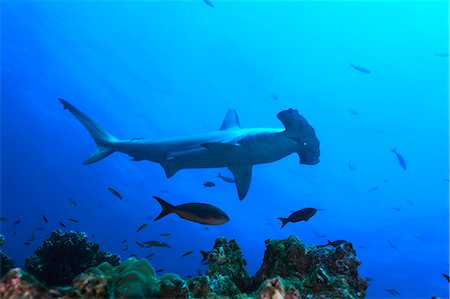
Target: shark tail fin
pixel 167 208
pixel 101 136
pixel 284 221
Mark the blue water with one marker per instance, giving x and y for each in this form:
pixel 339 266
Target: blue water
pixel 161 69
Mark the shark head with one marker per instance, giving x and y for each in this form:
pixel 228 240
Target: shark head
pixel 299 130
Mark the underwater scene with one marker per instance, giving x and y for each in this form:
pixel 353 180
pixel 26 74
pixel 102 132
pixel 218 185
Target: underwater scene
pixel 224 149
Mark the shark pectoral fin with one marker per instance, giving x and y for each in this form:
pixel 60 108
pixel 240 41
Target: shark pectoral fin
pixel 170 168
pixel 242 175
pixel 223 149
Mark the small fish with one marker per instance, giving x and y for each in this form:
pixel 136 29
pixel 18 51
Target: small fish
pixel 411 203
pixel 3 219
pixel 44 218
pixel 149 255
pixel 16 222
pixel 368 279
pixel 396 209
pixel 141 227
pixel 419 238
pixel 33 237
pixel 353 112
pixel 392 245
pixel 441 54
pixel 373 189
pixel 393 292
pixel 73 220
pixel 133 255
pixel 303 214
pixel 115 193
pixel 196 212
pixel 358 68
pixel 39 228
pixel 123 241
pixel 208 3
pixel 27 243
pixel 140 244
pixel 209 184
pixel 351 167
pixel 72 201
pixel 165 234
pixel 126 248
pixel 204 256
pixel 446 277
pixel 188 253
pixel 275 96
pixel 400 159
pixel 62 224
pixel 159 270
pixel 225 178
pixel 385 180
pixel 334 243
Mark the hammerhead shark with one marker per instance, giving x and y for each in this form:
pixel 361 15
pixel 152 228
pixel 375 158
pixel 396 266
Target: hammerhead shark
pixel 231 146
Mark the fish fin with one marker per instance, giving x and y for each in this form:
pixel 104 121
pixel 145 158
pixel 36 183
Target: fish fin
pixel 219 175
pixel 100 153
pixel 242 176
pixel 230 121
pixel 220 148
pixel 170 168
pixel 204 255
pixel 284 221
pixel 329 242
pixel 167 208
pixel 102 138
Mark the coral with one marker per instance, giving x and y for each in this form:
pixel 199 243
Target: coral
pixel 172 286
pixel 6 263
pixel 226 259
pixel 64 255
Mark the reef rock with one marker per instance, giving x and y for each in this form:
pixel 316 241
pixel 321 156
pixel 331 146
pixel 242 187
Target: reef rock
pixel 64 255
pixel 6 263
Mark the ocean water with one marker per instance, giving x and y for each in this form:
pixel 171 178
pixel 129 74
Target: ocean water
pixel 157 69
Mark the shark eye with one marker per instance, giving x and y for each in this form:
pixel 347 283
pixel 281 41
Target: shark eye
pixel 305 143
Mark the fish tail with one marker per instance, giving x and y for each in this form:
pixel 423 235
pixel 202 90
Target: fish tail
pixel 284 221
pixel 167 208
pixel 394 150
pixel 219 175
pixel 204 256
pixel 101 136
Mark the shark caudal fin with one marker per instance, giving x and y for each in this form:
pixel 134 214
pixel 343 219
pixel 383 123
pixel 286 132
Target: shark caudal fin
pixel 166 207
pixel 101 136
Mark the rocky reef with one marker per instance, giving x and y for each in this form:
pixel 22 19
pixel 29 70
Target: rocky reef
pixel 290 270
pixel 6 263
pixel 64 255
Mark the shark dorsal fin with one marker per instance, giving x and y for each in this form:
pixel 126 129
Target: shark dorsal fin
pixel 231 120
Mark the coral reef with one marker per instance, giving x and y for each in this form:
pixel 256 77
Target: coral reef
pixel 64 255
pixel 290 270
pixel 6 263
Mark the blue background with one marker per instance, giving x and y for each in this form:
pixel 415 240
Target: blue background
pixel 164 68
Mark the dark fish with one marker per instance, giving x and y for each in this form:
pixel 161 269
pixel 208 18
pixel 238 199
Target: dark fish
pixel 62 224
pixel 133 255
pixel 159 270
pixel 358 68
pixel 373 189
pixel 396 209
pixel 446 277
pixel 196 212
pixel 123 241
pixel 208 3
pixel 115 193
pixel 225 178
pixel 44 218
pixel 334 243
pixel 126 248
pixel 33 237
pixel 204 256
pixel 141 227
pixel 72 201
pixel 73 220
pixel 149 255
pixel 303 214
pixel 275 96
pixel 3 219
pixel 392 245
pixel 368 279
pixel 188 253
pixel 351 167
pixel 140 244
pixel 27 243
pixel 385 180
pixel 393 292
pixel 165 234
pixel 16 222
pixel 353 112
pixel 419 238
pixel 319 235
pixel 400 159
pixel 411 203
pixel 208 184
pixel 156 244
